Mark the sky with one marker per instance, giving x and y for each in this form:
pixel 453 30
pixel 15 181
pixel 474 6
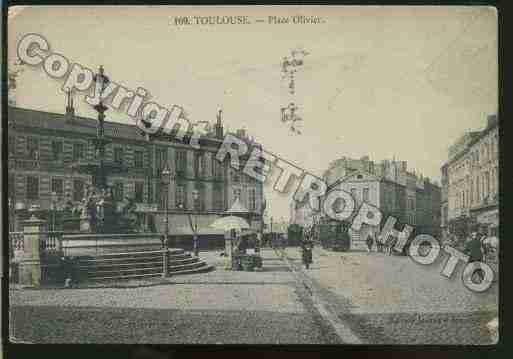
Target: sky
pixel 386 82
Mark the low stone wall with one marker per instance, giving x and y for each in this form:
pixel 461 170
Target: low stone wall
pixel 97 244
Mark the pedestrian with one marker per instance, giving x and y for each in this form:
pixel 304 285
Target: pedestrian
pixel 307 247
pixel 384 243
pixel 379 244
pixel 390 244
pixel 258 242
pixel 370 242
pixel 474 250
pixel 484 243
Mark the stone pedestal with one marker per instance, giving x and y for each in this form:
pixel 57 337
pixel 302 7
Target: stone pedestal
pixel 228 251
pixel 85 225
pixel 30 262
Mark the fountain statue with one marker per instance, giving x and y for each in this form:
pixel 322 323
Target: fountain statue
pixel 100 212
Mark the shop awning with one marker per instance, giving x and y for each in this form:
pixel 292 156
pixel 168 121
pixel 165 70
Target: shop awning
pixel 186 230
pixel 489 217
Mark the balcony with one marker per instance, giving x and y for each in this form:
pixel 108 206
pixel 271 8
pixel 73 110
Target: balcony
pixel 486 202
pixel 21 164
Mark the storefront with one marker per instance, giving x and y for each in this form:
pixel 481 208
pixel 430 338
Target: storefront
pixel 488 216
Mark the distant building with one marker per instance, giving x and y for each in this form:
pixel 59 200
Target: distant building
pixel 44 146
pixel 389 186
pixel 470 177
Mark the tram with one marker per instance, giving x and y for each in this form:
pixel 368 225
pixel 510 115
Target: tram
pixel 334 235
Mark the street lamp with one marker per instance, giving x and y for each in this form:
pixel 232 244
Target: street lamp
pixel 54 199
pixel 11 214
pixel 166 179
pixel 195 197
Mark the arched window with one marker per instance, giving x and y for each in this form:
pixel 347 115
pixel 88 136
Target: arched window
pixel 471 192
pixel 487 177
pixel 478 197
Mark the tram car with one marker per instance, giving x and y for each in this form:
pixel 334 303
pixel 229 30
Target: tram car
pixel 295 235
pixel 334 235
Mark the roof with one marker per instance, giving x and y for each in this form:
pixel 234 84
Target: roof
pixel 476 137
pixel 87 126
pixel 81 125
pixel 352 174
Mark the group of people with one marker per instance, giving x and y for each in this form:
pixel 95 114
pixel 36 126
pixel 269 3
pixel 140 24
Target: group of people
pixel 478 245
pixel 382 246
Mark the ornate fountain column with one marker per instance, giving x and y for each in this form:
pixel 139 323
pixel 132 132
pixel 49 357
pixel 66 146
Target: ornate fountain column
pixel 103 209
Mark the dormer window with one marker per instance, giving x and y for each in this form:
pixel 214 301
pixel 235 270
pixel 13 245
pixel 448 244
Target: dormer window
pixel 12 146
pixel 78 151
pixel 57 150
pixel 118 155
pixel 33 148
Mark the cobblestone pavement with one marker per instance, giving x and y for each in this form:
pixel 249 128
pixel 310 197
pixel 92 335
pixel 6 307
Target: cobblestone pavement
pixel 215 307
pixel 391 299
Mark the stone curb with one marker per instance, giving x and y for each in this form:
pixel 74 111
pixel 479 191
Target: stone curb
pixel 342 330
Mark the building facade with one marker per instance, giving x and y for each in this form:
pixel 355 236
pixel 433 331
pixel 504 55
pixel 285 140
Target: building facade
pixel 43 148
pixel 389 186
pixel 472 176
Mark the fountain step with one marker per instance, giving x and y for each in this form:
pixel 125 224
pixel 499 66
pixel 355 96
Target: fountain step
pixel 172 251
pixel 153 262
pixel 143 268
pixel 138 264
pixel 128 258
pixel 202 269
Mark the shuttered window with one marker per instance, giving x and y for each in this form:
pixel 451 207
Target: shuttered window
pixel 32 187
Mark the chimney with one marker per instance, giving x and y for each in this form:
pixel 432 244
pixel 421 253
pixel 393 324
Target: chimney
pixel 70 110
pixel 219 131
pixel 491 120
pixel 241 133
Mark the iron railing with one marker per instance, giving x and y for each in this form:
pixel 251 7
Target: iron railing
pixel 50 242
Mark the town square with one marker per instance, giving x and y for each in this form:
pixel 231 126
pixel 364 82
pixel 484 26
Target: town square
pixel 327 182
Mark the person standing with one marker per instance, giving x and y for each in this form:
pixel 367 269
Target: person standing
pixel 379 244
pixel 390 244
pixel 474 250
pixel 307 247
pixel 258 242
pixel 370 242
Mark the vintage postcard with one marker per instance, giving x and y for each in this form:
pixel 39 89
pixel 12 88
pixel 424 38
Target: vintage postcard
pixel 253 174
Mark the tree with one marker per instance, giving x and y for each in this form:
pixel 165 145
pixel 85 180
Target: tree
pixel 13 73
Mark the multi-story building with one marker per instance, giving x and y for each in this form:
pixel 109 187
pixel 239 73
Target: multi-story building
pixel 45 147
pixel 389 186
pixel 471 176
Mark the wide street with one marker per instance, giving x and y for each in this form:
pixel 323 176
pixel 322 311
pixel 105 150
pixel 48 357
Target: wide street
pixel 352 297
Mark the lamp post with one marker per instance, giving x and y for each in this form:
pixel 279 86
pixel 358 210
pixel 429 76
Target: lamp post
pixel 195 197
pixel 166 179
pixel 11 207
pixel 54 199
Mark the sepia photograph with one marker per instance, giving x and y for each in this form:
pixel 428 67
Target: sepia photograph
pixel 321 175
